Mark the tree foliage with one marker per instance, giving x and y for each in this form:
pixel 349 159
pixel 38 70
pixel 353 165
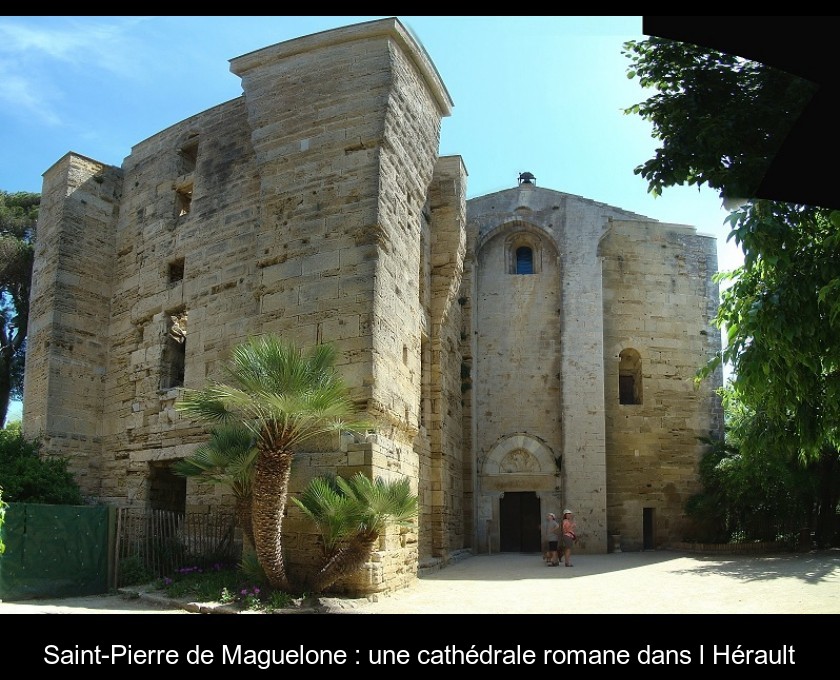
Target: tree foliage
pixel 782 319
pixel 753 492
pixel 721 119
pixel 25 477
pixel 3 507
pixel 227 459
pixel 18 219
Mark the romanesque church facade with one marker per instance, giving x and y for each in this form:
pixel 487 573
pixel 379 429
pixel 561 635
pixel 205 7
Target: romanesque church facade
pixel 520 352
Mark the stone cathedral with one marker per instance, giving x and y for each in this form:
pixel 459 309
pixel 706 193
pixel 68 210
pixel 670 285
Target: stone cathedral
pixel 520 352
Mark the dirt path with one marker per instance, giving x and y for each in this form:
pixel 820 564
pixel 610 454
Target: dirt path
pixel 625 583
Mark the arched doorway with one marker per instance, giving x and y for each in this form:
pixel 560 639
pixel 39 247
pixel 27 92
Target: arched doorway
pixel 511 517
pixel 519 522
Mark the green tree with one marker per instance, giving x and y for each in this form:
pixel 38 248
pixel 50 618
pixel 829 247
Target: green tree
pixel 27 478
pixel 782 319
pixel 227 459
pixel 285 397
pixel 18 219
pixel 752 492
pixel 721 119
pixel 351 515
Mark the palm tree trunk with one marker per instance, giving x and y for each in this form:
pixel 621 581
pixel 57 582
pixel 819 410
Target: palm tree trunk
pixel 244 517
pixel 271 488
pixel 347 560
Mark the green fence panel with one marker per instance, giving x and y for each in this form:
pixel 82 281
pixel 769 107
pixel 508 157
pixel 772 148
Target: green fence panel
pixel 54 551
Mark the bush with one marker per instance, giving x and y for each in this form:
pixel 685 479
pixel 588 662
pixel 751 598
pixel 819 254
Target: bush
pixel 133 572
pixel 27 478
pixel 226 584
pixel 202 583
pixel 749 496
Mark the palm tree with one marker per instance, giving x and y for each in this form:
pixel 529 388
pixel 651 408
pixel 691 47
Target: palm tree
pixel 228 458
pixel 284 397
pixel 351 515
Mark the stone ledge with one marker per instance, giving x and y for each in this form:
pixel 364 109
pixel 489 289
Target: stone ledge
pixel 433 564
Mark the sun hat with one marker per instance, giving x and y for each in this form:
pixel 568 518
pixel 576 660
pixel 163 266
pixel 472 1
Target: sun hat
pixel 552 515
pixel 568 512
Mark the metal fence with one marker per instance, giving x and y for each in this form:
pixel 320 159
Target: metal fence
pixel 153 544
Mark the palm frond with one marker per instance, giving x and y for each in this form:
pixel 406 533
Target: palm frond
pixel 365 508
pixel 281 394
pixel 335 514
pixel 381 501
pixel 227 458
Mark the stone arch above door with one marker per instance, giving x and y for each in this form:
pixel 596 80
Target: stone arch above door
pixel 519 454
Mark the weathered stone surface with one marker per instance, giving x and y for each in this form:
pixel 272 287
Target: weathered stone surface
pixel 316 207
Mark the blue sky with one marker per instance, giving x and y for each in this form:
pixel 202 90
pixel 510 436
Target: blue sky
pixel 538 94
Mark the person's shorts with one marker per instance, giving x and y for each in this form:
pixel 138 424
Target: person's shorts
pixel 568 542
pixel 552 546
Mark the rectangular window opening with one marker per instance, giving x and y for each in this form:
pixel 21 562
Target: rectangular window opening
pixel 183 200
pixel 174 354
pixel 167 491
pixel 176 270
pixel 188 155
pixel 626 389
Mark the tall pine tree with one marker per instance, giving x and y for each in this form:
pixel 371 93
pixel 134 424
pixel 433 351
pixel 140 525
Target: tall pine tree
pixel 18 219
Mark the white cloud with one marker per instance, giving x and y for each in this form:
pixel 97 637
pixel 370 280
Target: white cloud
pixel 84 42
pixel 36 53
pixel 25 97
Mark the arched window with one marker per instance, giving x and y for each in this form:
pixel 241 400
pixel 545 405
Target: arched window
pixel 524 260
pixel 523 253
pixel 629 377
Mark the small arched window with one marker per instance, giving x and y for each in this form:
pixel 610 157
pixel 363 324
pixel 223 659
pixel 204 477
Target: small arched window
pixel 523 252
pixel 524 260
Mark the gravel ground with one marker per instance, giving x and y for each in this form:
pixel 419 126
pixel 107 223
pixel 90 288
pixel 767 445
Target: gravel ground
pixel 660 582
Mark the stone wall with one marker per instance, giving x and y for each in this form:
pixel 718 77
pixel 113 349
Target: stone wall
pixel 448 503
pixel 659 302
pixel 67 346
pixel 295 209
pixel 315 206
pixel 538 367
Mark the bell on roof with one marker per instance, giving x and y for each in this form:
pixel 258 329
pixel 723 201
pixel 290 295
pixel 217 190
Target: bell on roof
pixel 526 178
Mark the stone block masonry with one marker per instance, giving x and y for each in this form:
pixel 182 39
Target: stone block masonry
pixel 486 337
